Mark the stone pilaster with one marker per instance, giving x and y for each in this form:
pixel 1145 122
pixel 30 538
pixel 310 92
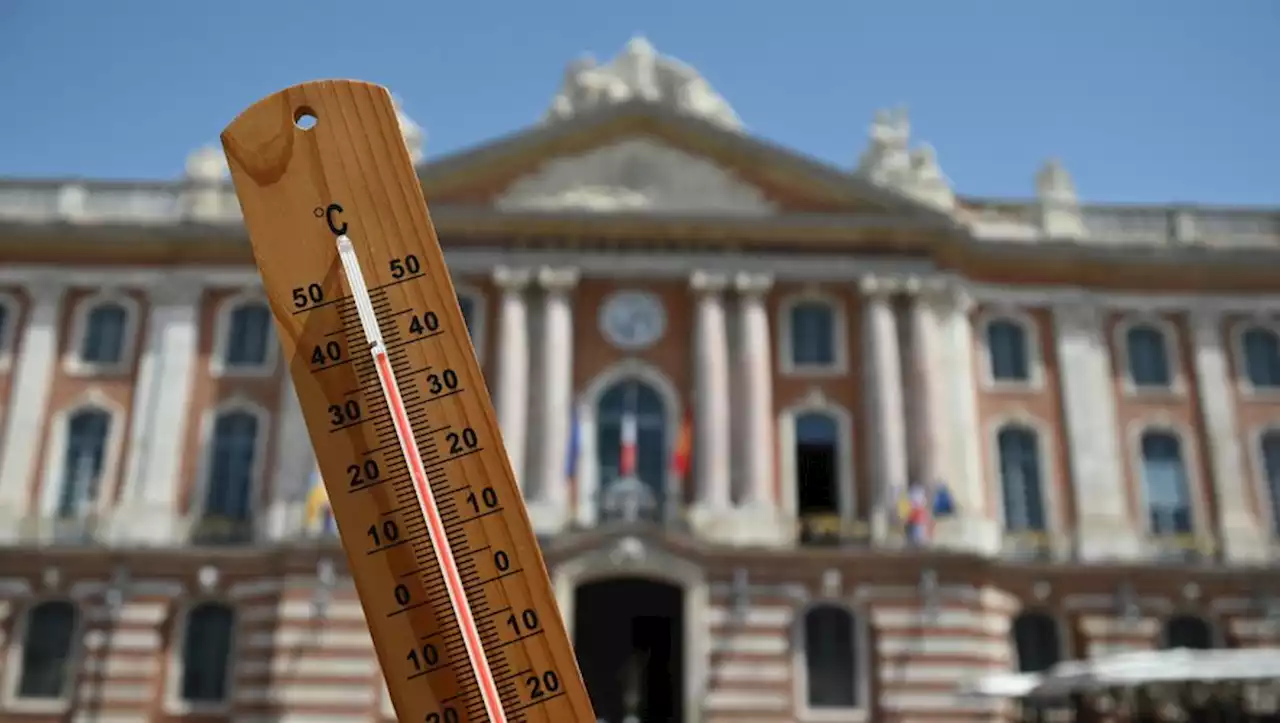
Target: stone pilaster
pixel 549 500
pixel 33 374
pixel 161 413
pixel 513 366
pixel 712 418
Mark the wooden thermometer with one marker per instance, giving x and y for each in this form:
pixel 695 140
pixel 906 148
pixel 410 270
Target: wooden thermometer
pixel 437 537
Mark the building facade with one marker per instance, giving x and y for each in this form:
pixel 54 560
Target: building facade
pixel 1096 388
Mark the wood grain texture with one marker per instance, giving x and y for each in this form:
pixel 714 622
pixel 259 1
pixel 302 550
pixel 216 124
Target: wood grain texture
pixel 287 180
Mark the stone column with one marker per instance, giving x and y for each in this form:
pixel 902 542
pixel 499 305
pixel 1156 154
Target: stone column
pixel 928 435
pixel 1240 530
pixel 549 502
pixel 884 394
pixel 289 482
pixel 513 365
pixel 161 412
pixel 36 366
pixel 712 418
pixel 758 516
pixel 1104 525
pixel 959 458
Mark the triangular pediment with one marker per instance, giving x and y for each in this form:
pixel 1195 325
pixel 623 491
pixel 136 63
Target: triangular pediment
pixel 635 175
pixel 642 158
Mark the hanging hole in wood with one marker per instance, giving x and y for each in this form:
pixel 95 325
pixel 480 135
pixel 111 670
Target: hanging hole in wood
pixel 305 118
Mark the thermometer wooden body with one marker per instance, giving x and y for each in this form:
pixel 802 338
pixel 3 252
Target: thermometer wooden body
pixel 439 544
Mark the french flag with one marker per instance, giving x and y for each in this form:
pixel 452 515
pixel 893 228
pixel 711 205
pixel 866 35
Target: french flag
pixel 627 464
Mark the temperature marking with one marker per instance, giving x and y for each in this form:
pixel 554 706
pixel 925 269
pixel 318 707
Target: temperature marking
pixel 461 611
pixel 429 507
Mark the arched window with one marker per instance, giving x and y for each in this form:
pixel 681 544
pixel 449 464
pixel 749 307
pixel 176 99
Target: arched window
pixel 47 648
pixel 1188 631
pixel 206 653
pixel 471 302
pixel 1164 478
pixel 817 457
pixel 1148 352
pixel 468 306
pixel 1007 345
pixel 248 340
pixel 232 465
pixel 631 428
pixel 813 334
pixel 1036 641
pixel 1270 444
pixel 1020 479
pixel 830 657
pixel 8 322
pixel 83 460
pixel 1261 349
pixel 105 330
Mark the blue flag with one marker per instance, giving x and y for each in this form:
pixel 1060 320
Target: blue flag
pixel 943 504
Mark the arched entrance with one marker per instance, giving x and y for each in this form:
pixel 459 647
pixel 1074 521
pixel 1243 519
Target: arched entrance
pixel 629 637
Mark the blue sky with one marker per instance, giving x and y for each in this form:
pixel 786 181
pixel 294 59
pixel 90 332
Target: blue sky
pixel 1144 100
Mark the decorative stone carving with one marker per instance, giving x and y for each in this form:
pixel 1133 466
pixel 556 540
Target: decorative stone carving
pixel 889 162
pixel 929 185
pixel 414 136
pixel 832 583
pixel 1053 183
pixel 628 551
pixel 1060 215
pixel 207 578
pixel 635 175
pixel 1041 590
pixel 207 163
pixel 639 73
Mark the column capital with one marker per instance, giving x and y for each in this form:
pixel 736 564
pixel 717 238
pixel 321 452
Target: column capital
pixel 558 279
pixel 935 292
pixel 1077 313
pixel 512 279
pixel 45 288
pixel 179 289
pixel 708 282
pixel 1207 316
pixel 753 284
pixel 878 287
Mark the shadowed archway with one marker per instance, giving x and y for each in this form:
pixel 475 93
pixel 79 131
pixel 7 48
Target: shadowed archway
pixel 629 638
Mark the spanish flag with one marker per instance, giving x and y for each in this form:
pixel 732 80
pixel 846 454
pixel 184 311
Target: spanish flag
pixel 683 453
pixel 319 515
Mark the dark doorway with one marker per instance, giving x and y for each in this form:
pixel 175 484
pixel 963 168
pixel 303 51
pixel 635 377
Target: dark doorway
pixel 816 436
pixel 629 636
pixel 816 486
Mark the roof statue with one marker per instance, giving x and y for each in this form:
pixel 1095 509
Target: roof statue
pixel 639 73
pixel 206 163
pixel 1060 215
pixel 1054 184
pixel 928 183
pixel 414 136
pixel 889 161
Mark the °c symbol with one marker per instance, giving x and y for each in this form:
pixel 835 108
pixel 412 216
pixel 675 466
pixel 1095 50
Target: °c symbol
pixel 332 216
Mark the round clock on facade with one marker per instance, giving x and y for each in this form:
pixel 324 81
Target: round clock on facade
pixel 633 319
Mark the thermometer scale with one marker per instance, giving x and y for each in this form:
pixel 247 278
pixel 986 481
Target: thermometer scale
pixel 453 586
